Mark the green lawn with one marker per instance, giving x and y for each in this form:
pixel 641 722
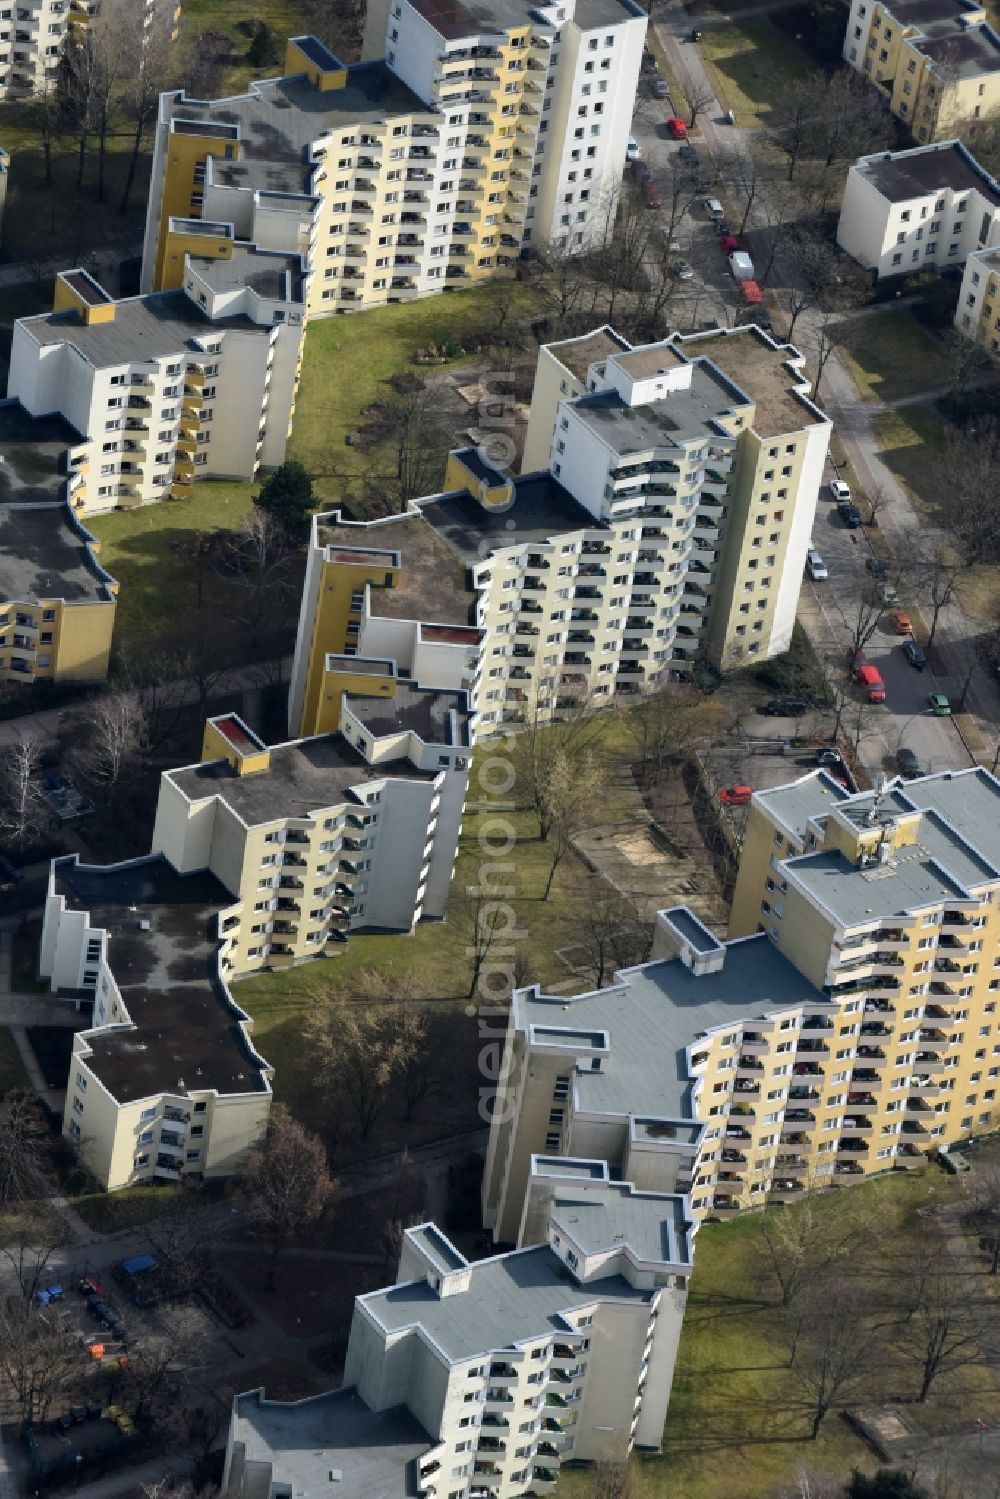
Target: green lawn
pixel 888 354
pixel 13 1073
pixel 349 359
pixel 222 19
pixel 737 1428
pixel 749 63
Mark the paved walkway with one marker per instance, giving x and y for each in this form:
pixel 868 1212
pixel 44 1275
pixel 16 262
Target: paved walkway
pixel 907 535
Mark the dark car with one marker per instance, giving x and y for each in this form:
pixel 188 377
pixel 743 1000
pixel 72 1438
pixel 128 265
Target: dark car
pixel 915 654
pixel 875 566
pixel 906 762
pixel 850 515
pixel 688 153
pixel 786 707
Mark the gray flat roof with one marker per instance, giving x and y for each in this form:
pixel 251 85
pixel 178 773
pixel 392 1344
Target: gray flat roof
pixel 654 1225
pixel 656 1012
pixel 454 19
pixel 304 776
pixel 855 896
pixel 44 554
pixel 433 582
pixel 578 354
pixel 269 273
pixel 902 175
pixel 438 716
pixel 800 801
pixel 692 930
pixel 375 1452
pixel 279 119
pixel 185 1026
pixel 33 456
pixel 963 54
pixel 510 1298
pixel 542 510
pixel 153 327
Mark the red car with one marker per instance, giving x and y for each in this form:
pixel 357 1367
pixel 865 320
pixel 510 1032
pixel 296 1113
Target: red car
pixel 729 243
pixel 676 128
pixel 652 195
pixel 736 796
pixel 90 1286
pixel 751 292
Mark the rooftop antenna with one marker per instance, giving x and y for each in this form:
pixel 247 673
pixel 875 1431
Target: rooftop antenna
pixel 881 787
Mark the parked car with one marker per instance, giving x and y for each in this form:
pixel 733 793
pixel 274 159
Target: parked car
pixel 728 243
pixel 652 194
pixel 939 704
pixel 673 244
pixel 870 678
pixel 632 152
pixel 683 271
pixel 688 153
pixel 829 756
pixel 907 763
pixel 695 34
pixel 875 566
pixel 887 593
pixel 741 266
pixel 751 292
pixel 839 490
pixel 49 1293
pixel 736 796
pixel 901 622
pixel 914 653
pixel 676 128
pixel 850 515
pixel 815 566
pixel 786 707
pixel 660 90
pixel 91 1286
pixel 714 207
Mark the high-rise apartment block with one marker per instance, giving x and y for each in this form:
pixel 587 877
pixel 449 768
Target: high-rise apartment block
pixel 471 135
pixel 937 62
pixel 848 1026
pixel 668 524
pixel 977 314
pixel 194 383
pixel 468 1379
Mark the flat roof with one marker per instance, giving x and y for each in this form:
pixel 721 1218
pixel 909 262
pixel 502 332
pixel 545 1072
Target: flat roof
pixel 578 354
pixel 454 19
pixel 902 175
pixel 436 715
pixel 760 368
pixel 33 456
pixel 45 554
pixel 659 1009
pixel 542 510
pixel 855 896
pixel 613 1215
pixel 373 1453
pixel 967 53
pixel 279 119
pixel 303 777
pixel 432 583
pixel 691 929
pixel 510 1298
pixel 144 328
pixel 799 802
pixel 652 359
pixel 186 1034
pixel 270 273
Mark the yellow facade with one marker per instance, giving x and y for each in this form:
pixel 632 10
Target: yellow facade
pixel 75 637
pixel 337 614
pixel 179 242
pixel 923 90
pixel 341 680
pixel 186 155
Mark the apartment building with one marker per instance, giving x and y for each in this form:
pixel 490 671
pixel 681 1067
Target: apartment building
pixel 57 603
pixel 932 206
pixel 669 526
pixel 321 836
pixel 32 34
pixel 977 313
pixel 467 136
pixel 160 387
pixel 848 1026
pixel 937 62
pixel 165 1082
pixel 472 1379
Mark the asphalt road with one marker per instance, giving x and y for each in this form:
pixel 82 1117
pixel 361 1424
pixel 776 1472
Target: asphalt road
pixel 829 610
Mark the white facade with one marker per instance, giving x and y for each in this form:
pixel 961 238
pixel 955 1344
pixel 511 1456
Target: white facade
pixel 931 206
pixel 160 396
pixel 977 315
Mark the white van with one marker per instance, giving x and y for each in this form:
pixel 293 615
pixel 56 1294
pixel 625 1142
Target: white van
pixel 741 266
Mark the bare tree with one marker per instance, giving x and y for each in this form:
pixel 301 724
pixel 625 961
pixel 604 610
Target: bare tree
pixel 117 740
pixel 415 437
pixel 485 921
pixel 864 614
pixel 417 1074
pixel 36 1357
pixel 614 1480
pixel 835 1353
pixel 571 792
pixel 700 96
pixel 941 574
pixel 259 554
pixel 148 65
pixel 824 345
pixel 804 1248
pixel 614 935
pixel 21 801
pixel 968 463
pixel 941 1335
pixel 985 1210
pixel 671 723
pixel 286 1185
